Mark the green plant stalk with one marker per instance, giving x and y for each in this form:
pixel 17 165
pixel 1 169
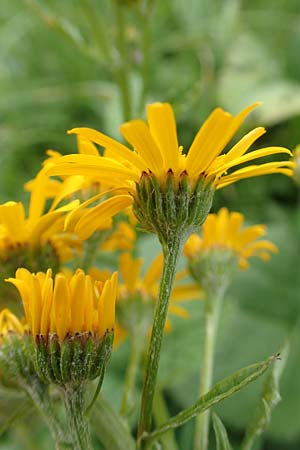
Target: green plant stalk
pixel 122 74
pixel 171 250
pixel 109 427
pixel 40 397
pixel 211 321
pixel 144 17
pixel 78 424
pixel 131 375
pixel 161 415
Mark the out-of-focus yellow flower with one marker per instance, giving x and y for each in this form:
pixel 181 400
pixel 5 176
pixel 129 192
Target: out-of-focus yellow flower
pixel 66 306
pixel 157 156
pixel 122 238
pixel 17 230
pixel 9 323
pixel 296 161
pixel 224 232
pixel 138 293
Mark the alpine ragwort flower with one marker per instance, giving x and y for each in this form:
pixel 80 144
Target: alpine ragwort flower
pixel 71 319
pixel 166 185
pixel 224 246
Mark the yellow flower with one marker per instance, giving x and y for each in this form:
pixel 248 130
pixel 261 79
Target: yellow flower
pixel 157 154
pixel 9 323
pixel 66 306
pixel 225 232
pixel 296 161
pixel 138 293
pixel 17 230
pixel 122 238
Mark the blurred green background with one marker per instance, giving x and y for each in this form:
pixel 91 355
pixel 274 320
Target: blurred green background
pixel 71 63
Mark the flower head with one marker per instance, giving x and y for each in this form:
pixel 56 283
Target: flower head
pixel 71 319
pixel 66 306
pixel 225 245
pixel 160 177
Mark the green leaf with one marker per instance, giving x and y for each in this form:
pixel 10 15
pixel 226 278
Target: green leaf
pixel 221 434
pixel 222 390
pixel 110 428
pixel 269 399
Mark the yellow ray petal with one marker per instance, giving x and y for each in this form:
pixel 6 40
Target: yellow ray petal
pixel 12 217
pixel 46 307
pixel 138 135
pixel 61 306
pixel 86 147
pixel 77 292
pixel 186 292
pixel 97 216
pixel 154 271
pixel 163 129
pixel 107 142
pixel 249 157
pixel 213 136
pixel 130 270
pixel 101 167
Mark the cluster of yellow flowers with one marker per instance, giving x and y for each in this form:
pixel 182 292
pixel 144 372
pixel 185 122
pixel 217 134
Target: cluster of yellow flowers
pixel 87 221
pixel 157 184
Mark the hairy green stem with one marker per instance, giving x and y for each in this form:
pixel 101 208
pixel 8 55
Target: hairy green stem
pixel 211 321
pixel 40 397
pixel 171 251
pixel 78 424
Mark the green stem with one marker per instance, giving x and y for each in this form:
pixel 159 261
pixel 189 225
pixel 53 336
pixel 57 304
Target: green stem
pixel 144 17
pixel 79 427
pixel 211 320
pixel 171 251
pixel 131 375
pixel 161 415
pixel 122 72
pixel 40 397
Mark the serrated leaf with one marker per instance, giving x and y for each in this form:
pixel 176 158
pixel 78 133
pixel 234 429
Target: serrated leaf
pixel 270 397
pixel 222 390
pixel 222 441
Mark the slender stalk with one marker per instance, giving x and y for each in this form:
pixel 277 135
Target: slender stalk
pixel 171 251
pixel 161 415
pixel 144 16
pixel 211 321
pixel 122 75
pixel 131 375
pixel 79 427
pixel 40 397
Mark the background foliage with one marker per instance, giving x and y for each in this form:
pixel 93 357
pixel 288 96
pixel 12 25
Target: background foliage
pixel 57 73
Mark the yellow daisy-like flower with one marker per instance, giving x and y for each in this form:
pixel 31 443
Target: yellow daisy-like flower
pixel 138 293
pixel 157 173
pixel 17 230
pixel 66 306
pixel 9 323
pixel 224 232
pixel 70 322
